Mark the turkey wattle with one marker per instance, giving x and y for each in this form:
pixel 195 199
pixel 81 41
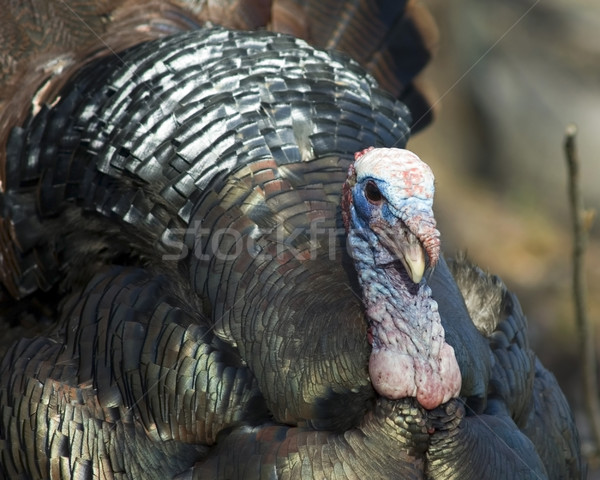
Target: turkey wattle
pixel 387 209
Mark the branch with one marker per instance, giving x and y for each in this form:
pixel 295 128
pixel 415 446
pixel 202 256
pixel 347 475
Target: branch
pixel 585 328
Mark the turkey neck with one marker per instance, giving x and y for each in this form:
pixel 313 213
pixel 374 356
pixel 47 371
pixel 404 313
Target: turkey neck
pixel 409 357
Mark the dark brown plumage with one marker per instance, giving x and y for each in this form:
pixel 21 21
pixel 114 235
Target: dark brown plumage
pixel 173 251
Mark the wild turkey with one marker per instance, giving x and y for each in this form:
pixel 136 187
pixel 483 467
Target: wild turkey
pixel 172 221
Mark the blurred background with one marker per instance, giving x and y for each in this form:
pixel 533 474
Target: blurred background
pixel 510 75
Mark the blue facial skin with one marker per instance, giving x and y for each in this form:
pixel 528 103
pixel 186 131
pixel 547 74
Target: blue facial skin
pixel 391 207
pixel 364 212
pixel 366 209
pixel 378 214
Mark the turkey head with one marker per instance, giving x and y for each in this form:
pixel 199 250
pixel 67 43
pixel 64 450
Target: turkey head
pixel 387 210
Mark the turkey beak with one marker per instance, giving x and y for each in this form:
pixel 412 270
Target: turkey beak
pixel 412 255
pixel 413 258
pixel 403 245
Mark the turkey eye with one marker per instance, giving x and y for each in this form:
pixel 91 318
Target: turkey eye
pixel 373 193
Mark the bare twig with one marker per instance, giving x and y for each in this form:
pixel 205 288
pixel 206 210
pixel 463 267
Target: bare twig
pixel 585 328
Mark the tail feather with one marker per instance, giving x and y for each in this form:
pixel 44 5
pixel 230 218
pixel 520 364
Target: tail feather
pixel 44 42
pixel 392 40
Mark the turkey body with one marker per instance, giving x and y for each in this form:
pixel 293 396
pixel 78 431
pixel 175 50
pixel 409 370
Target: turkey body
pixel 171 218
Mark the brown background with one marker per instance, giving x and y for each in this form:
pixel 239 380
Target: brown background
pixel 510 76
